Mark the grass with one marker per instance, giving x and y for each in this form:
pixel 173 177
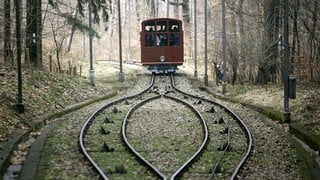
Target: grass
pixel 48 93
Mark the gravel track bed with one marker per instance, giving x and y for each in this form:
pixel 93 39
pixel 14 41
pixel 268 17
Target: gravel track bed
pixel 202 168
pixel 60 157
pixel 274 157
pixel 166 133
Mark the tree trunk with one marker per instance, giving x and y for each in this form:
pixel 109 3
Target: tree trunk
pixel 295 35
pixel 33 32
pixel 39 34
pixel 310 24
pixel 233 49
pixel 240 40
pixel 176 9
pixel 186 11
pixel 152 8
pixel 268 66
pixel 73 29
pixel 7 33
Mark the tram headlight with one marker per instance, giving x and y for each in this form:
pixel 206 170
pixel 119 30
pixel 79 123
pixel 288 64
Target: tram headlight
pixel 162 58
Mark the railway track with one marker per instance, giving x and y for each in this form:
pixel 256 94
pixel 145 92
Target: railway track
pixel 164 132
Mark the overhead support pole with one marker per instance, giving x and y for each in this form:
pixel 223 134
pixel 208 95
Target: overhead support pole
pixel 224 48
pixel 286 64
pixel 91 71
pixel 195 38
pixel 206 44
pixel 129 30
pixel 20 105
pixel 121 75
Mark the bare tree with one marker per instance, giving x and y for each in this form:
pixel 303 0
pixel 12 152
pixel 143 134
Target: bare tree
pixel 34 32
pixel 7 32
pixel 268 66
pixel 295 47
pixel 59 37
pixel 310 22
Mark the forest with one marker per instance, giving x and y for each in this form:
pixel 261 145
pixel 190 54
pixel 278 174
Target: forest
pixel 55 34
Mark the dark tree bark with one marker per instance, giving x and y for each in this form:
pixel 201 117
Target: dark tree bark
pixel 268 65
pixel 311 25
pixel 39 34
pixel 73 29
pixel 186 11
pixel 241 40
pixel 233 49
pixel 7 33
pixel 176 9
pixel 295 35
pixel 237 44
pixel 33 32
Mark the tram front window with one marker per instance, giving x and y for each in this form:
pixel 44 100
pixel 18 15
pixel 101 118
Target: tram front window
pixel 162 33
pixel 174 34
pixel 149 36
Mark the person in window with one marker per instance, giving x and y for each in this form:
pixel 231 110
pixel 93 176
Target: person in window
pixel 174 38
pixel 150 37
pixel 163 39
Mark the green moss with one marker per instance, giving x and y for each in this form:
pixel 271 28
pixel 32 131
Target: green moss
pixel 267 111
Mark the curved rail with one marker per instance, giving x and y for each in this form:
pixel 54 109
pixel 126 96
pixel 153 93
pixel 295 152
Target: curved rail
pixel 169 88
pixel 224 150
pixel 146 162
pixel 92 118
pixel 235 117
pixel 201 148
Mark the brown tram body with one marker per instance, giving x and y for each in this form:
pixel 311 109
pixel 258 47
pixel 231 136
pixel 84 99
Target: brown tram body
pixel 161 44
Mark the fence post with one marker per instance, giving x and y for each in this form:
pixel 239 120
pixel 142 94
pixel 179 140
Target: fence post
pixel 27 58
pixel 50 63
pixel 70 68
pixel 74 70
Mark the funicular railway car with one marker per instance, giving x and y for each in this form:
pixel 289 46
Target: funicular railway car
pixel 161 44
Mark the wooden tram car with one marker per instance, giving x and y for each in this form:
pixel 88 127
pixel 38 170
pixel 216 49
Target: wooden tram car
pixel 161 44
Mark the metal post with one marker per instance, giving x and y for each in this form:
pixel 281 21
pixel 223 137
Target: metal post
pixel 129 31
pixel 121 75
pixel 84 45
pixel 91 71
pixel 195 38
pixel 206 44
pixel 286 65
pixel 224 49
pixel 20 106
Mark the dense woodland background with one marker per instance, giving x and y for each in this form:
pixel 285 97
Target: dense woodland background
pixel 58 30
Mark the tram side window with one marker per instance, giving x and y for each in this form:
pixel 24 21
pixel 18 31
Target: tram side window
pixel 149 36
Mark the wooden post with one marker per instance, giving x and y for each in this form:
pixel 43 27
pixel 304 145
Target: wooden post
pixel 27 58
pixel 74 70
pixel 50 63
pixel 70 68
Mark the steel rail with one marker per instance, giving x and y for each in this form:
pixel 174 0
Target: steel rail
pixel 124 137
pixel 204 142
pixel 146 162
pixel 89 121
pixel 236 118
